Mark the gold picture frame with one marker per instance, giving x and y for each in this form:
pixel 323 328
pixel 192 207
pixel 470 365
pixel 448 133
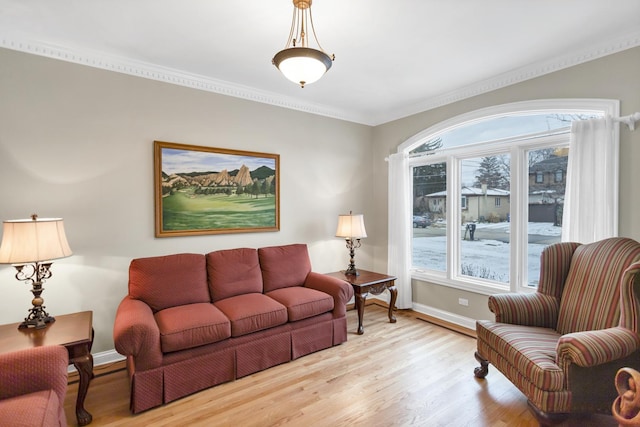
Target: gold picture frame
pixel 205 190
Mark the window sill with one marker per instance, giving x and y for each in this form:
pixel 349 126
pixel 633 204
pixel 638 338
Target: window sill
pixel 470 285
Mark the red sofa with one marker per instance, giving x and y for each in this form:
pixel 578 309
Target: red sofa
pixel 192 321
pixel 33 384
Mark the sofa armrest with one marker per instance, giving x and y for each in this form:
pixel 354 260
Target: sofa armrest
pixel 34 369
pixel 592 348
pixel 136 334
pixel 340 290
pixel 534 309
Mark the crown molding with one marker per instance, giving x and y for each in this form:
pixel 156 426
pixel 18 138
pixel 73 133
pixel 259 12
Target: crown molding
pixel 531 71
pixel 168 75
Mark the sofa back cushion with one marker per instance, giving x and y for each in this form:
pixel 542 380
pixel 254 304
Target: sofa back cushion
pixel 284 266
pixel 591 295
pixel 168 281
pixel 233 272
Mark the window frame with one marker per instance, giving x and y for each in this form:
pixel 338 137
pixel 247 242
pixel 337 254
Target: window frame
pixel 519 181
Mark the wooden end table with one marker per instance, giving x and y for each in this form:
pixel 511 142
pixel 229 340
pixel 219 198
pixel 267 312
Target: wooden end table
pixel 74 332
pixel 369 282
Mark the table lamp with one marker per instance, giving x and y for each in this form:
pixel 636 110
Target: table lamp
pixel 351 227
pixel 30 245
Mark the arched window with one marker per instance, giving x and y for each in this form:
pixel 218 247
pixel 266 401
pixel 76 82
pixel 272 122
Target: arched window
pixel 491 184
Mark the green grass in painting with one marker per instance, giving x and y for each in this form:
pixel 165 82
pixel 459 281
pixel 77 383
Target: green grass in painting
pixel 184 210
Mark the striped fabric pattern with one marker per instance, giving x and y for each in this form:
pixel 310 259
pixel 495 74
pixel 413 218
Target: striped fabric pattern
pixel 629 290
pixel 525 309
pixel 548 401
pixel 584 315
pixel 592 348
pixel 591 295
pixel 555 261
pixel 531 351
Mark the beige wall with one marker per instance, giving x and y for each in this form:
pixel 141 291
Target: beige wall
pixel 77 142
pixel 612 77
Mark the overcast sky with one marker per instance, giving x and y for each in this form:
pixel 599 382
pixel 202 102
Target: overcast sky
pixel 185 161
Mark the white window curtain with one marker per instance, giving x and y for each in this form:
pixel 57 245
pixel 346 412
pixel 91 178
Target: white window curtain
pixel 399 230
pixel 591 197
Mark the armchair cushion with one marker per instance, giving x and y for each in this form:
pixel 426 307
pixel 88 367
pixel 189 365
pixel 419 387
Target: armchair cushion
pixel 39 408
pixel 35 378
pixel 530 350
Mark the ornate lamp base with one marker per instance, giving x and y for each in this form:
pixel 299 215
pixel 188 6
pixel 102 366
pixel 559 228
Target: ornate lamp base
pixel 352 246
pixel 37 318
pixel 35 273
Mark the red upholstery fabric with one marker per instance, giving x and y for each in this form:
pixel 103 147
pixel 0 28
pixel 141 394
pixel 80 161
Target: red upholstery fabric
pixel 252 312
pixel 340 290
pixel 35 378
pixel 302 302
pixel 169 281
pixel 262 353
pixel 233 272
pixel 311 335
pixel 158 315
pixel 284 266
pixel 206 370
pixel 190 326
pixel 39 408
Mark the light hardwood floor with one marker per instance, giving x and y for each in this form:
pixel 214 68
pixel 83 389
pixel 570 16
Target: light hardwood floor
pixel 411 373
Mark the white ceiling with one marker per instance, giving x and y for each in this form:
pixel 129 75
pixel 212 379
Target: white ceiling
pixel 393 57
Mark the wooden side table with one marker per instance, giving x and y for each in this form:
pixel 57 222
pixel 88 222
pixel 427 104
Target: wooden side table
pixel 74 332
pixel 369 282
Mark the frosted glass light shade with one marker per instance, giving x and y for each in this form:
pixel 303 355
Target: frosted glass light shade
pixel 351 226
pixel 33 240
pixel 302 65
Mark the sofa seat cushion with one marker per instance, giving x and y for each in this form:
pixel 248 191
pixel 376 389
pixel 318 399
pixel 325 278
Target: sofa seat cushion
pixel 40 408
pixel 191 325
pixel 531 350
pixel 252 312
pixel 302 302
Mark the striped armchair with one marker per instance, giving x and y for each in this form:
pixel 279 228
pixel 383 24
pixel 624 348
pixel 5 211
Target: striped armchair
pixel 562 345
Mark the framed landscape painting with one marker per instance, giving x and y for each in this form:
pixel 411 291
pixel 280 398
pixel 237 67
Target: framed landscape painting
pixel 204 190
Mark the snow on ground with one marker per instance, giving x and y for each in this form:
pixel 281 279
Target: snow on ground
pixel 485 257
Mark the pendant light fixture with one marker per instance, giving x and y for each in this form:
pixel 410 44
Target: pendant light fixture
pixel 299 62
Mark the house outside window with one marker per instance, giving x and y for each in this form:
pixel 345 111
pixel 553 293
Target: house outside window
pixel 463 172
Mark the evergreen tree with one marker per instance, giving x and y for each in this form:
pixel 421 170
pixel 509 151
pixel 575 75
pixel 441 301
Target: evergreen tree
pixel 492 173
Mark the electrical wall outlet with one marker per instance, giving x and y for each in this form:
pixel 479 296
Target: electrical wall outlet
pixel 463 301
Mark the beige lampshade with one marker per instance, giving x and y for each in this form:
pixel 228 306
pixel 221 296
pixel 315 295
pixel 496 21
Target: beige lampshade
pixel 351 226
pixel 32 240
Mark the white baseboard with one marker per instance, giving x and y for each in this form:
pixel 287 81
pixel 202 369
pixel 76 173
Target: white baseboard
pixel 103 358
pixel 456 319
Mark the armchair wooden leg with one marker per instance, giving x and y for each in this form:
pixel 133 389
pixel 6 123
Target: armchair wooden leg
pixel 482 370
